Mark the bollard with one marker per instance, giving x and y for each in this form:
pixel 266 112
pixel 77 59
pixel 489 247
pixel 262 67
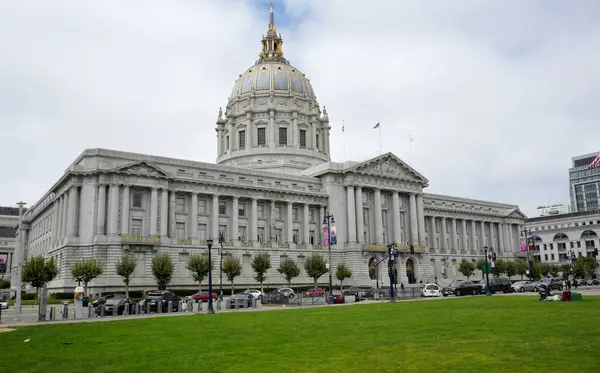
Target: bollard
pixel 126 309
pixel 219 304
pixel 190 306
pixel 258 303
pixel 102 310
pixel 199 306
pixel 90 311
pixel 52 313
pixel 170 307
pixel 148 308
pixel 65 311
pixel 159 307
pixel 115 311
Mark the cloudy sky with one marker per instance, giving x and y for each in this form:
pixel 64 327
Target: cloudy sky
pixel 498 95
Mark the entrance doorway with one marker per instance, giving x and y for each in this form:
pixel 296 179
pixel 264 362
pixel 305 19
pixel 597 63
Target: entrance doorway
pixel 410 271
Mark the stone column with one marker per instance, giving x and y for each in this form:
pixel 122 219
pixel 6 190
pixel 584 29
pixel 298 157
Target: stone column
pixel 351 214
pixel 320 224
pixel 65 213
pixel 306 224
pixel 214 223
pixel 473 236
pixel 396 217
pixel 125 211
pixel 272 135
pixel 501 234
pixel 254 220
pixel 58 233
pixel 72 214
pixel 193 218
pixel 483 239
pixel 510 237
pixel 113 221
pixel 377 213
pixel 360 223
pixel 171 224
pixel 164 213
pixel 153 211
pixel 444 245
pixel 289 223
pixel 235 219
pixel 219 141
pixel 55 212
pixel 434 242
pixel 414 233
pixel 464 235
pixel 272 222
pixel 421 219
pixel 454 234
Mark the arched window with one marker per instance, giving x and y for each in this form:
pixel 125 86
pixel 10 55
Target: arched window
pixel 589 234
pixel 560 237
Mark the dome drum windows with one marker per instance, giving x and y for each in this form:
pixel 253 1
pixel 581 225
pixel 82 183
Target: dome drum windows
pixel 302 138
pixel 261 136
pixel 283 136
pixel 242 139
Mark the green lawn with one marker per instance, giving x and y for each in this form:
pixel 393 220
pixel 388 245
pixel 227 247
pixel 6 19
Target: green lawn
pixel 480 334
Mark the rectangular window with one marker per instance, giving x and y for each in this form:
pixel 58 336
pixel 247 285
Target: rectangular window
pixel 201 206
pixel 295 213
pixel 311 235
pixel 261 234
pixel 242 233
pixel 222 208
pixel 282 136
pixel 296 236
pixel 312 215
pixel 202 232
pixel 227 143
pixel 180 205
pixel 260 210
pixel 180 228
pixel 278 212
pixel 137 199
pixel 223 231
pixel 303 138
pixel 136 227
pixel 384 219
pixel 261 136
pixel 242 209
pixel 317 141
pixel 242 139
pixel 278 235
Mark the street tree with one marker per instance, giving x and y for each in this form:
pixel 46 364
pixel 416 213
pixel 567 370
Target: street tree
pixel 86 270
pixel 232 268
pixel 467 268
pixel 289 269
pixel 522 267
pixel 315 267
pixel 162 269
pixel 38 271
pixel 261 263
pixel 342 272
pixel 125 268
pixel 510 268
pixel 199 267
pixel 479 264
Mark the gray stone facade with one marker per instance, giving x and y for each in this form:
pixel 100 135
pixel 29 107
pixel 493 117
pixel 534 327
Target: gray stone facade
pixel 264 195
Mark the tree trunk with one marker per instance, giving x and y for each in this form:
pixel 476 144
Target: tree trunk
pixel 127 289
pixel 289 283
pixel 231 288
pixel 341 285
pixel 200 286
pixel 85 284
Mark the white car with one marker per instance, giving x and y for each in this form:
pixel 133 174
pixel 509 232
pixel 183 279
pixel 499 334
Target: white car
pixel 3 304
pixel 256 294
pixel 431 290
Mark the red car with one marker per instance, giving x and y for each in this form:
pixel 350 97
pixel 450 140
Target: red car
pixel 315 292
pixel 338 297
pixel 204 297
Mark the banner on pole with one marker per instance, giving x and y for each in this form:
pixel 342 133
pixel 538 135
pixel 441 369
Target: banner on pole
pixel 325 236
pixel 523 244
pixel 333 234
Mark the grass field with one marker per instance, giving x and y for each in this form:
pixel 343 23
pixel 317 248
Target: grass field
pixel 479 334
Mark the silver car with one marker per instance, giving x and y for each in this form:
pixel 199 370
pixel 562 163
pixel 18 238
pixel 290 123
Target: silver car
pixel 523 286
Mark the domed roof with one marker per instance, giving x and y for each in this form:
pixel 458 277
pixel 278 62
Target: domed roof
pixel 276 76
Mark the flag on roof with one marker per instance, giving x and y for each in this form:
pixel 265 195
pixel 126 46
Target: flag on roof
pixel 595 163
pixel 376 126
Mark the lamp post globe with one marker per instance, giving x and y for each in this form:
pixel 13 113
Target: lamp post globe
pixel 487 273
pixel 211 310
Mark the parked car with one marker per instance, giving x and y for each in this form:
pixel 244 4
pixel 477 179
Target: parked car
pixel 467 288
pixel 161 298
pixel 523 286
pixel 255 293
pixel 449 289
pixel 360 292
pixel 287 292
pixel 431 290
pixel 203 297
pixel 275 297
pixel 3 304
pixel 338 297
pixel 102 300
pixel 247 297
pixel 554 283
pixel 315 292
pixel 119 303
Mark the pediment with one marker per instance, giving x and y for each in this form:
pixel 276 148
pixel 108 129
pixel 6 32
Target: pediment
pixel 142 169
pixel 388 165
pixel 516 213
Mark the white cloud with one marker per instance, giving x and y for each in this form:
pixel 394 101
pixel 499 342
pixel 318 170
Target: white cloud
pixel 497 95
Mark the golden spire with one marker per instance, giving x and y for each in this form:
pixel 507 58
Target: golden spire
pixel 272 44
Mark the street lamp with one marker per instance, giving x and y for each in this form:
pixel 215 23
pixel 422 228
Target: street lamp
pixel 530 245
pixel 20 251
pixel 392 269
pixel 209 243
pixel 329 219
pixel 487 273
pixel 221 240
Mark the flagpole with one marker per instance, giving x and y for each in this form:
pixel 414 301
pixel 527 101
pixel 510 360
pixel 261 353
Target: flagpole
pixel 344 138
pixel 379 128
pixel 409 147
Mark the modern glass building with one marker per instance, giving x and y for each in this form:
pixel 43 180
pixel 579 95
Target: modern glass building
pixel 584 184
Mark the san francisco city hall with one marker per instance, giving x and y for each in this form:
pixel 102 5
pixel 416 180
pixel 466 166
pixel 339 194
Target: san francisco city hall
pixel 268 192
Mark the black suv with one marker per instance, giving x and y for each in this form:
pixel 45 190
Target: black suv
pixel 498 284
pixel 161 298
pixel 553 283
